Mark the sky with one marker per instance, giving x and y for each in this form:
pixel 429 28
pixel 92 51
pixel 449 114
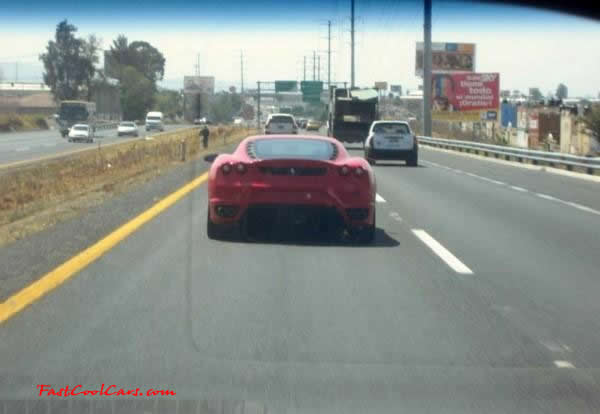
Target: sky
pixel 528 47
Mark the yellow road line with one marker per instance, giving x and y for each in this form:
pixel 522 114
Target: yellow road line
pixel 68 269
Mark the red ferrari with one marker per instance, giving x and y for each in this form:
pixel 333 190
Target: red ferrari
pixel 291 183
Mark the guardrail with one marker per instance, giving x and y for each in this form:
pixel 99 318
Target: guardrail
pixel 111 125
pixel 551 159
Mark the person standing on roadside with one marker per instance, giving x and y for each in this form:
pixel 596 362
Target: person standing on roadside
pixel 205 133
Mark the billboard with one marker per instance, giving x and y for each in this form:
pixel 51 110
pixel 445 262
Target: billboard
pixel 381 86
pixel 447 57
pixel 468 97
pixel 195 84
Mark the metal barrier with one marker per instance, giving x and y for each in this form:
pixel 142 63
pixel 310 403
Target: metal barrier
pixel 111 125
pixel 520 154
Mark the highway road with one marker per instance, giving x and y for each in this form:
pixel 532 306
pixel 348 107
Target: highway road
pixel 21 146
pixel 479 295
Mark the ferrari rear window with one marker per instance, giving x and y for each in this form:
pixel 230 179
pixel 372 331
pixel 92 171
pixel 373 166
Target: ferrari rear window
pixel 313 149
pixel 391 128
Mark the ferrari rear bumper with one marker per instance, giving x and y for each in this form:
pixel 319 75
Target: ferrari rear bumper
pixel 296 207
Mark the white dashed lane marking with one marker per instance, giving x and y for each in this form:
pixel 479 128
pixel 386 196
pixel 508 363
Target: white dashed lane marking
pixel 379 198
pixel 563 364
pixel 520 189
pixel 443 253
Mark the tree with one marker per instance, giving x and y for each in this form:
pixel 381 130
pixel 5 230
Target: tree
pixel 562 92
pixel 535 94
pixel 592 121
pixel 140 55
pixel 248 112
pixel 169 102
pixel 221 108
pixel 137 94
pixel 69 63
pixel 90 49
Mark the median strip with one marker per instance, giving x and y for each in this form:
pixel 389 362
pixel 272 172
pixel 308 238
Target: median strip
pixel 71 267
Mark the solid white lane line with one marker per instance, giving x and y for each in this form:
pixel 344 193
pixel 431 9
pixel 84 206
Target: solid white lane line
pixel 379 198
pixel 583 208
pixel 521 189
pixel 489 180
pixel 442 252
pixel 563 364
pixel 546 197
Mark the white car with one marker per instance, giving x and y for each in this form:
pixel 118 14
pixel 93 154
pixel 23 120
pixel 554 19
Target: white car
pixel 127 128
pixel 81 132
pixel 281 124
pixel 392 140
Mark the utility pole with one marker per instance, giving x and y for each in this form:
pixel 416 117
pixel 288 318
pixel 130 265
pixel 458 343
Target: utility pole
pixel 314 62
pixel 197 65
pixel 328 54
pixel 319 67
pixel 16 71
pixel 242 68
pixel 258 107
pixel 427 70
pixel 352 78
pixel 304 67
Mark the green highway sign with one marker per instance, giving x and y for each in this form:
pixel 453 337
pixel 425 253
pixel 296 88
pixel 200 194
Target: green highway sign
pixel 311 87
pixel 286 86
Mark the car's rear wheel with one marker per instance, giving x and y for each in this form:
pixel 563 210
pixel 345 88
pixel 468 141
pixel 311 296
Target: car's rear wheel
pixel 216 231
pixel 413 159
pixel 365 235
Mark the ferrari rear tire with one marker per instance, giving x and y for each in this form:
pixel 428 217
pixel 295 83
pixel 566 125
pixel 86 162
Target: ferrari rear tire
pixel 213 231
pixel 366 235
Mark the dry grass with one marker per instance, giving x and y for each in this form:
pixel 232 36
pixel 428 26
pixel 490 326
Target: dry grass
pixel 25 122
pixel 38 196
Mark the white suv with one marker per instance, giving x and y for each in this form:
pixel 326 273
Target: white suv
pixel 281 124
pixel 392 140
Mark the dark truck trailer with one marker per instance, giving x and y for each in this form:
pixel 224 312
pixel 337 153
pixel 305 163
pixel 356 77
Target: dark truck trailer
pixel 351 113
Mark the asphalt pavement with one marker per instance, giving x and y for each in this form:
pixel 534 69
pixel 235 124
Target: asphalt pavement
pixel 21 146
pixel 478 296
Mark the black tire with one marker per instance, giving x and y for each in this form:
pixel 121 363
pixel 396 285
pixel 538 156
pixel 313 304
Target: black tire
pixel 366 235
pixel 413 160
pixel 213 231
pixel 70 140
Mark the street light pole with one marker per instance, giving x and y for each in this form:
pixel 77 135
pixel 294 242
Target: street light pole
pixel 427 70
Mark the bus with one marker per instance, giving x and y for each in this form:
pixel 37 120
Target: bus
pixel 76 112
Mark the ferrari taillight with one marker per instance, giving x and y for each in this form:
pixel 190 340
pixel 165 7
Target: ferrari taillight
pixel 241 168
pixel 345 171
pixel 226 168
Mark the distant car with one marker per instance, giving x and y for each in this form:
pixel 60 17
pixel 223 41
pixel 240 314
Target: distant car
pixel 301 183
pixel 281 124
pixel 238 121
pixel 81 132
pixel 313 125
pixel 392 140
pixel 127 128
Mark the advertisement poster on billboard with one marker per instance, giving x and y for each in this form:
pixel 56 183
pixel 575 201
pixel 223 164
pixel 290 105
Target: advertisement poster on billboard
pixel 447 57
pixel 194 84
pixel 468 97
